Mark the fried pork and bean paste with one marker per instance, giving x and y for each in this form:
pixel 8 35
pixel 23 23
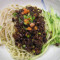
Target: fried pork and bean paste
pixel 29 29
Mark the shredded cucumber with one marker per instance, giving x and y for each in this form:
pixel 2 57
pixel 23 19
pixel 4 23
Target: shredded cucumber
pixel 53 22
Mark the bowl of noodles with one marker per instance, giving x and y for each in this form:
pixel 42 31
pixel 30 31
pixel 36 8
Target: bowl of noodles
pixel 27 31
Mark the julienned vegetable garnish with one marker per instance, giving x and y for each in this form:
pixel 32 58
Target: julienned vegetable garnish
pixel 54 24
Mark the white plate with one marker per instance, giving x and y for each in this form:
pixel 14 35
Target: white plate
pixel 53 52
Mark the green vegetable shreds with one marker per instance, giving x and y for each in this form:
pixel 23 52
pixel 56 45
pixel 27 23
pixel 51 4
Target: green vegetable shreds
pixel 53 22
pixel 15 14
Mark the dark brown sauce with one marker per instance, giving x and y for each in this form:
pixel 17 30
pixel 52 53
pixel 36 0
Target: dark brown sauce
pixel 36 37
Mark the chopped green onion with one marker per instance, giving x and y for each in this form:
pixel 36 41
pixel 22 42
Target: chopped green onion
pixel 29 16
pixel 33 17
pixel 14 14
pixel 24 46
pixel 25 17
pixel 31 21
pixel 20 20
